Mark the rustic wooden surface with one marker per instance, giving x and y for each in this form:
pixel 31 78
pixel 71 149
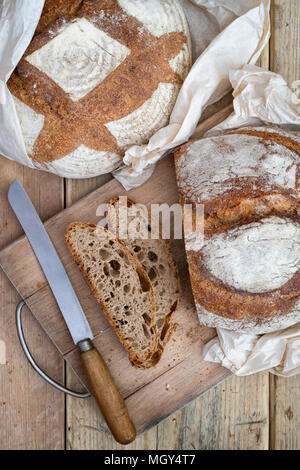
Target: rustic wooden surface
pixel 257 412
pixel 181 375
pixel 29 408
pixel 285 59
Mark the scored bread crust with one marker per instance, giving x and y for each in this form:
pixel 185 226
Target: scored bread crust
pixel 168 328
pixel 54 9
pixel 134 357
pixel 263 192
pixel 240 189
pixel 88 135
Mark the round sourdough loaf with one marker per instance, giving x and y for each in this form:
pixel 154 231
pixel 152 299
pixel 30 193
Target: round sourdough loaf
pixel 246 276
pixel 98 77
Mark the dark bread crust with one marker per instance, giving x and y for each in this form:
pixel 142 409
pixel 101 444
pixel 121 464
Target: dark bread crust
pixel 274 136
pixel 223 300
pixel 246 203
pixel 133 357
pixel 247 188
pixel 70 124
pixel 54 9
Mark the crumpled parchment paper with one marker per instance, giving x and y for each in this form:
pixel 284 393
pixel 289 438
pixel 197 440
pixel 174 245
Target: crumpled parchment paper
pixel 242 30
pixel 246 354
pixel 18 21
pixel 227 37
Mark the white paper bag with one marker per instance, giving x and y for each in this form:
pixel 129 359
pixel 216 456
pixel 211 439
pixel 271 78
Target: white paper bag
pixel 240 43
pixel 18 21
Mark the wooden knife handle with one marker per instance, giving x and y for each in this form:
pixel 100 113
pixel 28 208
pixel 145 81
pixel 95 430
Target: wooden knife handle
pixel 107 395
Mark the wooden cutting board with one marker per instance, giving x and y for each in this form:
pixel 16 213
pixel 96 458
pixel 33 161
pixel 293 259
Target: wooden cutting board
pixel 181 375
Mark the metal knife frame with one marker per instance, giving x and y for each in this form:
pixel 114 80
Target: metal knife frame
pixel 33 362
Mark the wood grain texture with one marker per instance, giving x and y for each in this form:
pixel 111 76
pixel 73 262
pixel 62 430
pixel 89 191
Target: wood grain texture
pixel 135 384
pixel 79 435
pixel 232 415
pixel 108 397
pixel 28 406
pixel 229 416
pixel 43 305
pixel 285 39
pixel 77 189
pixel 36 290
pixel 284 413
pixel 285 60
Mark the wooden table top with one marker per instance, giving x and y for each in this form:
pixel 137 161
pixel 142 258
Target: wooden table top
pixel 257 412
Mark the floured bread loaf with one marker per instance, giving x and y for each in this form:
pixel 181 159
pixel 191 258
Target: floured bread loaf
pixel 100 76
pixel 120 285
pixel 246 276
pixel 156 257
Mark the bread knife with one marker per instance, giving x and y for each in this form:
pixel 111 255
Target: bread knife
pixel 100 380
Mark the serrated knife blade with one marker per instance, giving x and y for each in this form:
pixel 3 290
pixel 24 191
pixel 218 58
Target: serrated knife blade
pixel 50 262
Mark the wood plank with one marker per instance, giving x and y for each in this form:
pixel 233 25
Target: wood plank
pixel 171 390
pixel 284 413
pixel 285 39
pixel 229 416
pixel 129 379
pixel 28 406
pixel 86 429
pixel 35 289
pixel 77 189
pixel 284 59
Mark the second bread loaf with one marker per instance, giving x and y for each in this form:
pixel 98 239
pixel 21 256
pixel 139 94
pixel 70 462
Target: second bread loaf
pixel 246 275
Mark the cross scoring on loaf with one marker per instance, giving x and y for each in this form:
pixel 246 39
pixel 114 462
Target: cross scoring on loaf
pixel 69 124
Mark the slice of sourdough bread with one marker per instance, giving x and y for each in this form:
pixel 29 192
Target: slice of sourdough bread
pixel 120 285
pixel 156 258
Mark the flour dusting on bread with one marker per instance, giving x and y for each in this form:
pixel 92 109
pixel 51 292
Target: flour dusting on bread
pixel 73 61
pixel 241 257
pixel 246 276
pixel 214 166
